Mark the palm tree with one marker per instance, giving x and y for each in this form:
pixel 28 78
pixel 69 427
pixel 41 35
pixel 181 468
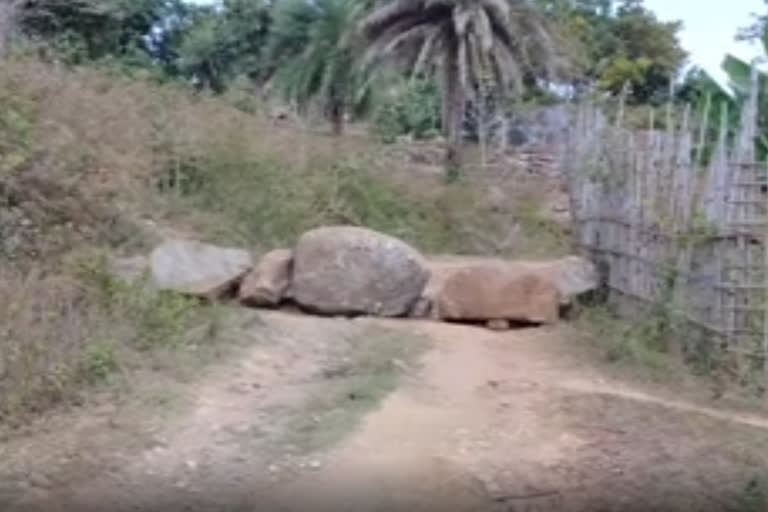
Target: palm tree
pixel 473 40
pixel 313 54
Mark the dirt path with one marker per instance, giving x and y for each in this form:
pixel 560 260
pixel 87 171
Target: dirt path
pixel 487 421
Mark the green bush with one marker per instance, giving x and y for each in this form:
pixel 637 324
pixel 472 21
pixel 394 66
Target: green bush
pixel 99 361
pixel 414 109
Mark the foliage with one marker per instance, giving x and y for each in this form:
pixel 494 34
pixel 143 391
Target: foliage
pixel 265 201
pixel 59 334
pixel 220 44
pixel 621 342
pixel 412 109
pixel 701 89
pixel 615 46
pixel 476 43
pixel 87 30
pixel 312 52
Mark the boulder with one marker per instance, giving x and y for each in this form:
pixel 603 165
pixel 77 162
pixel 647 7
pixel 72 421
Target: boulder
pixel 199 269
pixel 483 291
pixel 573 275
pixel 267 284
pixel 350 270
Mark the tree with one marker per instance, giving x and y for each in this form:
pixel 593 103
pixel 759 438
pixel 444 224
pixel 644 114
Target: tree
pixel 94 29
pixel 312 53
pixel 220 44
pixel 474 42
pixel 619 44
pixel 202 53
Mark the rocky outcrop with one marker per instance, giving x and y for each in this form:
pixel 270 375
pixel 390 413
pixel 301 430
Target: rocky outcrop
pixel 350 270
pixel 267 284
pixel 197 269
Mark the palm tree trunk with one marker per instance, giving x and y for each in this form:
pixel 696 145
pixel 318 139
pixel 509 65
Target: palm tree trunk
pixel 455 103
pixel 337 115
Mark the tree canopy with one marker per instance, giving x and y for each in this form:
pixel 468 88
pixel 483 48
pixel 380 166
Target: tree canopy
pixel 618 43
pixel 330 52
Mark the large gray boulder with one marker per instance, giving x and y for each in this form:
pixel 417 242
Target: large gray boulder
pixel 198 269
pixel 350 270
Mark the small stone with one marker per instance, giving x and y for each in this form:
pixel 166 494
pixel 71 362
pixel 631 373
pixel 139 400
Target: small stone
pixel 191 465
pixel 273 468
pixel 315 464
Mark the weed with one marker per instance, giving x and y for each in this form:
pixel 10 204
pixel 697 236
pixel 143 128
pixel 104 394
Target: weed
pixel 99 361
pixel 622 342
pixel 59 334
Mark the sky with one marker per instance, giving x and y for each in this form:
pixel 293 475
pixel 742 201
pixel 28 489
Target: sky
pixel 709 28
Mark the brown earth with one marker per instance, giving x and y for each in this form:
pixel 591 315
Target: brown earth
pixel 512 421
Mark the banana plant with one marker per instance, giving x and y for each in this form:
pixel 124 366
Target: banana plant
pixel 736 94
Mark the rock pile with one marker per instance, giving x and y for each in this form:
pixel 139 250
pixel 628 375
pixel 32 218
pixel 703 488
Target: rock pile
pixel 344 270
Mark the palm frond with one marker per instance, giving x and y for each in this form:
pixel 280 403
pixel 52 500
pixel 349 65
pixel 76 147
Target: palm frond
pixel 382 18
pixel 484 30
pixel 377 49
pixel 429 48
pixel 498 9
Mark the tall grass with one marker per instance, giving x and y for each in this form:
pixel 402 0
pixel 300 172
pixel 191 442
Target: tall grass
pixel 60 334
pixel 91 160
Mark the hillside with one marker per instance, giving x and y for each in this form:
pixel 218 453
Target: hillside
pixel 116 393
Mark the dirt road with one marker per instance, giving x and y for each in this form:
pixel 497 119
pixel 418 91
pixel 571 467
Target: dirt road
pixel 490 421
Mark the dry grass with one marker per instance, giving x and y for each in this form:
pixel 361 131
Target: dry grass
pixel 101 140
pixel 61 335
pixel 94 160
pixel 44 327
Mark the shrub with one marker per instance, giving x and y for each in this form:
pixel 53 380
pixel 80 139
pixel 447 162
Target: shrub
pixel 414 109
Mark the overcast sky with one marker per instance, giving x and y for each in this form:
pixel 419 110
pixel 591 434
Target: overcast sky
pixel 710 27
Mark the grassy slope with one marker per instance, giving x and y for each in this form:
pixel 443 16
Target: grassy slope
pixel 93 164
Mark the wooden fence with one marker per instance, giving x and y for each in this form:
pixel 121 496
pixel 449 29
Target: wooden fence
pixel 671 230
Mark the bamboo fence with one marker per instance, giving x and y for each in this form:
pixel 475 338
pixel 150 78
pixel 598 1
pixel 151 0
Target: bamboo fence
pixel 668 229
